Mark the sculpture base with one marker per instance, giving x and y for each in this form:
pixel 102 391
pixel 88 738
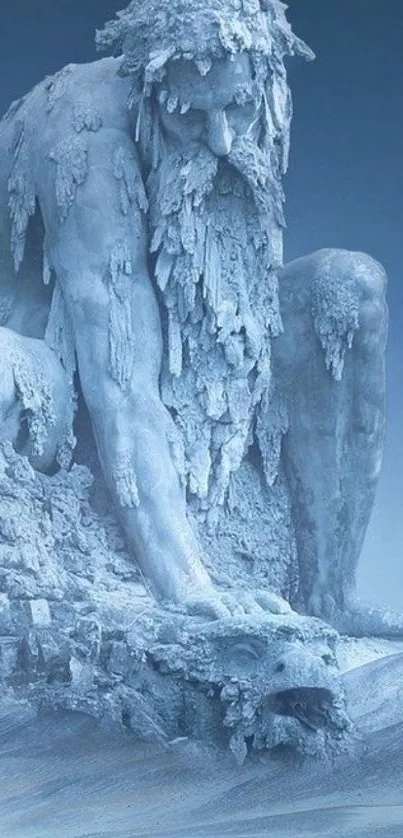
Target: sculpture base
pixel 80 631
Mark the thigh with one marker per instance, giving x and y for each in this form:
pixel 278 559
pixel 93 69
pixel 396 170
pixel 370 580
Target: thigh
pixel 311 393
pixel 332 350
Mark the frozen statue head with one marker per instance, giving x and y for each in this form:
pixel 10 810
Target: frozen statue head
pixel 232 406
pixel 213 113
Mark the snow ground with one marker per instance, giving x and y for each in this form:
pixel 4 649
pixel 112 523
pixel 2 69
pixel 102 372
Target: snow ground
pixel 62 776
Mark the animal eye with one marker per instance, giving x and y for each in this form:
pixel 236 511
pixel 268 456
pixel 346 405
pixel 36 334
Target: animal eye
pixel 328 659
pixel 245 651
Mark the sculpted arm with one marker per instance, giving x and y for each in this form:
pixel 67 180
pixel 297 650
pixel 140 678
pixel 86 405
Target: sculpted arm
pixel 98 251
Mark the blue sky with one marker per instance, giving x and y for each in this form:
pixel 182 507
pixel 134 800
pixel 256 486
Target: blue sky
pixel 344 187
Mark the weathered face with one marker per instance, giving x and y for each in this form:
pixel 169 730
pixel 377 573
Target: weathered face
pixel 215 108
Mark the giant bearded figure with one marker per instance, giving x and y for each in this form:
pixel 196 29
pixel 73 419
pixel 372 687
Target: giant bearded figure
pixel 237 405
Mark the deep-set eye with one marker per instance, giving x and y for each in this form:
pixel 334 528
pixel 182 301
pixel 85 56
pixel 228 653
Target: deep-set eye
pixel 191 116
pixel 245 651
pixel 245 108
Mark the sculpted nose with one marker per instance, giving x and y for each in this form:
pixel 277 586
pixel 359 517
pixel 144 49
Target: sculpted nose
pixel 220 136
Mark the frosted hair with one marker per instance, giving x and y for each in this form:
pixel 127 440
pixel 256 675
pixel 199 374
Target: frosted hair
pixel 150 33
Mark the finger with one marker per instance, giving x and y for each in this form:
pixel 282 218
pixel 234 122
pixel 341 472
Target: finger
pixel 273 603
pixel 213 608
pixel 234 605
pixel 250 604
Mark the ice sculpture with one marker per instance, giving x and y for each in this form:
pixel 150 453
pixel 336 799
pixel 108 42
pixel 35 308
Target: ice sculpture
pixel 231 407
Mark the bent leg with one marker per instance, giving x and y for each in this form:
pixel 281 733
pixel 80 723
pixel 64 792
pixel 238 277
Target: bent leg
pixel 36 407
pixel 330 368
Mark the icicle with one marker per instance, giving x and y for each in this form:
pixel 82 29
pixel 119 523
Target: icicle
pixel 59 333
pixel 174 343
pixel 172 104
pixel 211 286
pixel 203 65
pixel 71 157
pixel 59 337
pixel 175 442
pixel 121 327
pixel 85 117
pixel 187 226
pixel 47 267
pixel 139 117
pixel 158 61
pixel 125 482
pixel 163 269
pixel 335 309
pixel 200 466
pixel 131 188
pixel 272 423
pixel 34 395
pixel 155 147
pixel 22 194
pixel 231 456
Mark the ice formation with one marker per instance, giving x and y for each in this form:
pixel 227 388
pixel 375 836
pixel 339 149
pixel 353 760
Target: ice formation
pixel 231 406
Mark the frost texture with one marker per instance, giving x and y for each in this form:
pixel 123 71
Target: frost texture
pixel 335 309
pixel 217 237
pixel 199 32
pixel 272 423
pixel 78 630
pixel 121 324
pixel 72 166
pixel 33 392
pixel 248 433
pixel 85 117
pixel 125 482
pixel 56 87
pixel 22 195
pixel 220 292
pixel 131 189
pixel 59 337
pixel 59 334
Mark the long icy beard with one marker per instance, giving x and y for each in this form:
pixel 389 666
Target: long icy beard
pixel 216 235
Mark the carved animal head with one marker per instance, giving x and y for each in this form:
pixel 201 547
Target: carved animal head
pixel 276 679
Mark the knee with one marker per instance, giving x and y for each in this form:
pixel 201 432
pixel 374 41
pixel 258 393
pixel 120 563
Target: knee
pixel 350 286
pixel 368 275
pixel 362 274
pixel 370 282
pixel 337 269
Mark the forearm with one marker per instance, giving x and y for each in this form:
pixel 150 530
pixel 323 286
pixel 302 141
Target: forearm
pixel 132 437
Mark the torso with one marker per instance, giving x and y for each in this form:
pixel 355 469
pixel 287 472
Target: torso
pixel 76 101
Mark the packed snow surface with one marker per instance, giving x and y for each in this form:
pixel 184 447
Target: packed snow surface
pixel 62 775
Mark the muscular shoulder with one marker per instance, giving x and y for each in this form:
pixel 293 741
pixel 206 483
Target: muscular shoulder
pixel 70 144
pixel 76 102
pixel 79 97
pixel 74 105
